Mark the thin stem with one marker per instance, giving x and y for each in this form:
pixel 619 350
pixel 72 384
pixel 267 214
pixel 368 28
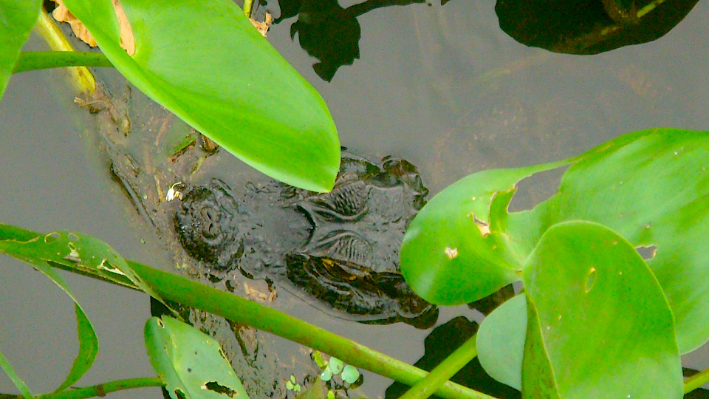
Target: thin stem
pixel 82 79
pixel 696 381
pixel 196 295
pixel 248 4
pixel 34 60
pixel 444 371
pixel 97 390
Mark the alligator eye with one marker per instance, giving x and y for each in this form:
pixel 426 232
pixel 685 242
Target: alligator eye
pixel 344 203
pixel 210 222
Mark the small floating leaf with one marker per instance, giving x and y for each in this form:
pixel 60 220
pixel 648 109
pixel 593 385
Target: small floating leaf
pixel 335 365
pixel 350 374
pixel 326 375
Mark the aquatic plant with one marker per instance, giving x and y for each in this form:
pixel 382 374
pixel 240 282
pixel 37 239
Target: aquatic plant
pixel 596 318
pixel 246 98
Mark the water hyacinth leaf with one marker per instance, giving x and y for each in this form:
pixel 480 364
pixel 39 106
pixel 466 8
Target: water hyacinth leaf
pixel 651 186
pixel 17 17
pixel 189 362
pixel 206 63
pixel 21 244
pixel 595 306
pixel 447 255
pixel 500 341
pixel 654 191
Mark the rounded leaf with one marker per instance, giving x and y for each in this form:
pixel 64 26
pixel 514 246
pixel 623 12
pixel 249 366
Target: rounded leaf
pixel 500 341
pixel 350 374
pixel 599 324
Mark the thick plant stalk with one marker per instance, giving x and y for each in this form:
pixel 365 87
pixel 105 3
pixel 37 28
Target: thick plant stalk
pixel 444 371
pixel 232 307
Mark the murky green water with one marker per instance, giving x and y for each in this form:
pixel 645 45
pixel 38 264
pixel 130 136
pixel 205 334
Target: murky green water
pixel 441 87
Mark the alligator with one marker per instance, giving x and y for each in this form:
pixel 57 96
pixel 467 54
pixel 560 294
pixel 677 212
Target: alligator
pixel 340 247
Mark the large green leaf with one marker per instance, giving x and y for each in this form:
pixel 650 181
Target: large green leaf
pixel 599 324
pixel 445 255
pixel 654 191
pixel 189 362
pixel 205 62
pixel 652 187
pixel 17 17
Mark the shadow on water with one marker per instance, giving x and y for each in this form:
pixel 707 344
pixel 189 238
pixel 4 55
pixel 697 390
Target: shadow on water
pixel 328 31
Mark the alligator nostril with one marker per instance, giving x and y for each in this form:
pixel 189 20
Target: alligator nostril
pixel 210 222
pixel 209 214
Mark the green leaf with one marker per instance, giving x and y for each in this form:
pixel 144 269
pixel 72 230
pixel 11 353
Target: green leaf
pixel 599 323
pixel 12 375
pixel 76 250
pixel 191 363
pixel 17 17
pixel 652 187
pixel 40 251
pixel 500 341
pixel 206 63
pixel 350 374
pixel 445 257
pixel 326 375
pixel 653 191
pixel 335 365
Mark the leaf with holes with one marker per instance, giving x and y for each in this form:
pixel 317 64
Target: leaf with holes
pixel 77 251
pixel 34 249
pixel 205 62
pixel 652 187
pixel 599 323
pixel 17 17
pixel 189 362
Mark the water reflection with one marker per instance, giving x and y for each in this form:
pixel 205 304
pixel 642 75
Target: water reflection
pixel 328 31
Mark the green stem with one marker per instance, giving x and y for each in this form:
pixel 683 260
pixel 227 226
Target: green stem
pixel 444 371
pixel 248 4
pixel 696 381
pixel 96 390
pixel 30 61
pixel 196 295
pixel 80 77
